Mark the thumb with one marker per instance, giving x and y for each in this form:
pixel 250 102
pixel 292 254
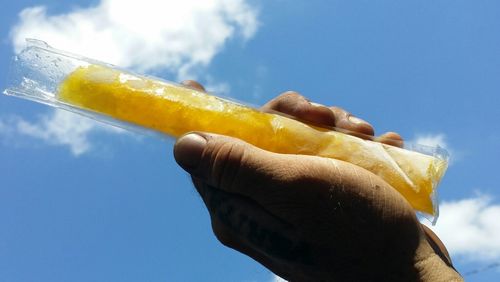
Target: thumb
pixel 237 167
pixel 297 187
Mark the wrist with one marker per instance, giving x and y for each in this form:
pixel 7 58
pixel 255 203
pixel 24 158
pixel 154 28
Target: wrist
pixel 427 263
pixel 433 268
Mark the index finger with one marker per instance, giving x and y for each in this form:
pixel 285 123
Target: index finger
pixel 297 106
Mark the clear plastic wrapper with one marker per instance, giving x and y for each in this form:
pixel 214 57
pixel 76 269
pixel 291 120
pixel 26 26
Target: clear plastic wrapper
pixel 119 97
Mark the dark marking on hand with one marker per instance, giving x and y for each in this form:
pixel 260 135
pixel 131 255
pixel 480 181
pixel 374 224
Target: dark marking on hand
pixel 274 242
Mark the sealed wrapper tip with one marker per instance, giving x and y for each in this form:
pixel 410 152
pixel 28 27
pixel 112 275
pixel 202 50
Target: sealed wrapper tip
pixel 119 97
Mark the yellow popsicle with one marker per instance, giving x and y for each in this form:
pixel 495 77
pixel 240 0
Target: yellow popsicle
pixel 176 110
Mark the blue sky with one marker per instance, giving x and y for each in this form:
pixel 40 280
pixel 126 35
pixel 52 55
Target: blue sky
pixel 86 203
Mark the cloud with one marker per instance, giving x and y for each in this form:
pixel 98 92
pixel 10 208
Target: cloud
pixel 56 128
pixel 4 128
pixel 436 140
pixel 432 140
pixel 470 228
pixel 181 37
pixel 219 88
pixel 144 35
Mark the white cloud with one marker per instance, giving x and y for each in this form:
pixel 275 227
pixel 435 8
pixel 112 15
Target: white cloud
pixel 432 140
pixel 219 88
pixel 179 36
pixel 470 228
pixel 3 128
pixel 436 140
pixel 145 35
pixel 58 128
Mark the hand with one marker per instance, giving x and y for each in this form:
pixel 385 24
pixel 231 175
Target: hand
pixel 309 218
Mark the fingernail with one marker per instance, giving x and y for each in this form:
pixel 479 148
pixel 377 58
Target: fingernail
pixel 356 120
pixel 189 149
pixel 316 105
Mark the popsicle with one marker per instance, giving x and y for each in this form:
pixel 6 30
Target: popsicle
pixel 102 90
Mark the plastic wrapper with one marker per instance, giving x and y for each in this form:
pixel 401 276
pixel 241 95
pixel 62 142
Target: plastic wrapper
pixel 122 98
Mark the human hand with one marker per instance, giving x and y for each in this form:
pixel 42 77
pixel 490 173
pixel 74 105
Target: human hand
pixel 309 218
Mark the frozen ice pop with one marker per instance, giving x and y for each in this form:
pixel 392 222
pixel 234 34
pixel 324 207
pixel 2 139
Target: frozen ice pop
pixel 98 89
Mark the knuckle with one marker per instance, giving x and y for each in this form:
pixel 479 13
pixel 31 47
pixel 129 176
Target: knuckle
pixel 222 163
pixel 339 112
pixel 391 140
pixel 291 103
pixel 393 135
pixel 284 102
pixel 290 95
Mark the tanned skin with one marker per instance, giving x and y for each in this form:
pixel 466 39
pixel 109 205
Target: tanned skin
pixel 309 218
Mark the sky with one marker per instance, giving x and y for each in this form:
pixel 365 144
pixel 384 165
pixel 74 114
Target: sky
pixel 81 201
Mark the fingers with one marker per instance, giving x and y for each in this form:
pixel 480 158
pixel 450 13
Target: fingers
pixel 194 85
pixel 391 138
pixel 297 106
pixel 346 120
pixel 293 104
